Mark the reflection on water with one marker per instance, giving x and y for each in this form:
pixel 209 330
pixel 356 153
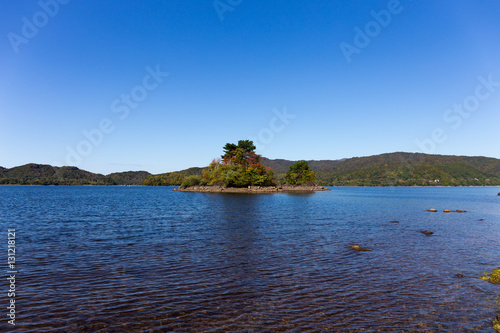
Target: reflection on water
pixel 114 259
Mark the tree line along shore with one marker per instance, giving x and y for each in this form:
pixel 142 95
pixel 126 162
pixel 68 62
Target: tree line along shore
pixel 392 169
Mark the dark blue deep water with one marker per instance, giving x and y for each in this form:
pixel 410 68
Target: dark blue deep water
pixel 116 259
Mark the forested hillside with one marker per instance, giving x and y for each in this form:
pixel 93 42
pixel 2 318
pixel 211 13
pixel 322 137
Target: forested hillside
pixel 409 169
pixel 394 169
pixel 401 169
pixel 39 174
pixel 171 178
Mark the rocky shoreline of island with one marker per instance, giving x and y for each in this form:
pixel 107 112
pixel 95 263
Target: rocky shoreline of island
pixel 252 189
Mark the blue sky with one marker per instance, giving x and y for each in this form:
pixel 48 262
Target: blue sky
pixel 163 85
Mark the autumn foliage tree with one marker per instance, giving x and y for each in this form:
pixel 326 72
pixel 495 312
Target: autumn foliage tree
pixel 239 166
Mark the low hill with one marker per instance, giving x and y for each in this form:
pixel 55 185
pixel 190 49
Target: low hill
pixel 129 177
pixel 171 178
pixel 281 166
pixel 39 174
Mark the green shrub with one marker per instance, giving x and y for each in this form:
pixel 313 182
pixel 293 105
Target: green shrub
pixel 299 173
pixel 191 181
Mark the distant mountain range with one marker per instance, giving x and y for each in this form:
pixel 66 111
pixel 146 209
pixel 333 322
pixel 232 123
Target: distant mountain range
pixel 394 169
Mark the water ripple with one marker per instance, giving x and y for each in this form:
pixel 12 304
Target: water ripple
pixel 150 259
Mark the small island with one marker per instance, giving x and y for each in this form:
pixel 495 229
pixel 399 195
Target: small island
pixel 239 171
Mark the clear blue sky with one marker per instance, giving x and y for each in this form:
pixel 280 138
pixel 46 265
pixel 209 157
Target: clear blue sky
pixel 85 66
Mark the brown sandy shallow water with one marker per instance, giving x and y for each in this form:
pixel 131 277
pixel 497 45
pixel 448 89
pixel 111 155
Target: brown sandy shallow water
pixel 117 259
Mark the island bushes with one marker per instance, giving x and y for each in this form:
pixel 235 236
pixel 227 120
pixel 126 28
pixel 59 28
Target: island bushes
pixel 300 174
pixel 239 166
pixel 191 181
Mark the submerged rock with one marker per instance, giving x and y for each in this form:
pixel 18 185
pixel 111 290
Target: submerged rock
pixel 393 221
pixel 433 210
pixel 496 324
pixel 359 248
pixel 493 277
pixel 427 232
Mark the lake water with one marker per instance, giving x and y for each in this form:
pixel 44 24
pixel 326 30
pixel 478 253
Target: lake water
pixel 115 259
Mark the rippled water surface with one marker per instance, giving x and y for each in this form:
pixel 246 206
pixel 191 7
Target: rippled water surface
pixel 113 259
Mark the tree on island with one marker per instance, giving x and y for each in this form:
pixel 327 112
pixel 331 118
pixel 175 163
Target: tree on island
pixel 239 166
pixel 299 173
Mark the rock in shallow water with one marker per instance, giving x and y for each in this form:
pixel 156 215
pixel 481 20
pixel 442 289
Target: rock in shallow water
pixel 427 232
pixel 359 248
pixel 496 322
pixel 493 277
pixel 432 210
